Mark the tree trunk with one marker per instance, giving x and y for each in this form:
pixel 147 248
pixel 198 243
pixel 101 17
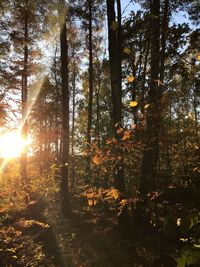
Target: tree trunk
pixel 115 51
pixel 151 150
pixel 89 128
pixel 73 125
pixel 57 104
pixel 64 187
pixel 24 131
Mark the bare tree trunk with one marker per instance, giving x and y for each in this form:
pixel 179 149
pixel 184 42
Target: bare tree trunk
pixel 98 88
pixel 114 38
pixel 57 105
pixel 151 150
pixel 73 128
pixel 64 187
pixel 24 131
pixel 90 104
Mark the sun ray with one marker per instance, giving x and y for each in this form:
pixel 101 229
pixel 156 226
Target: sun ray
pixel 36 87
pixel 36 90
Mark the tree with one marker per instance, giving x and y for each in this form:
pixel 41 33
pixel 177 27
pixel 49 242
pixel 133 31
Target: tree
pixel 151 150
pixel 25 94
pixel 115 50
pixel 62 11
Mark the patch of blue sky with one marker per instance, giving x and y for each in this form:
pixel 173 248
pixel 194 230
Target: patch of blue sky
pixel 178 17
pixel 127 6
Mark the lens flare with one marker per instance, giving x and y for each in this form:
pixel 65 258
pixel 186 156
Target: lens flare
pixel 11 145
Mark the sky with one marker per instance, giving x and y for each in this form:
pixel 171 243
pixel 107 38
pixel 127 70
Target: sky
pixel 128 6
pixel 177 18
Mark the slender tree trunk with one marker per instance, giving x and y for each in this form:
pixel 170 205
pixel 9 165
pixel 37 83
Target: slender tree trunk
pixel 195 106
pixel 24 131
pixel 73 127
pixel 151 150
pixel 98 88
pixel 64 187
pixel 57 105
pixel 114 39
pixel 90 104
pixel 144 74
pixel 90 75
pixel 164 30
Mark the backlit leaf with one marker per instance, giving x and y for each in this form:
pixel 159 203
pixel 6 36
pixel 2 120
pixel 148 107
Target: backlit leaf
pixel 126 136
pixel 147 106
pixel 130 79
pixel 127 50
pixel 133 103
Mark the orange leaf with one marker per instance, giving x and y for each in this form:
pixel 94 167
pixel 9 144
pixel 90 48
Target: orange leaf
pixel 130 79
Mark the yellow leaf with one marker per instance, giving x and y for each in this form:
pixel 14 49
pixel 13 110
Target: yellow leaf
pixel 130 79
pixel 147 106
pixel 114 25
pixel 133 103
pixel 127 50
pixel 198 57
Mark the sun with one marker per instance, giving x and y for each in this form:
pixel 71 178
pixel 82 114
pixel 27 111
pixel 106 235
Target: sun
pixel 11 145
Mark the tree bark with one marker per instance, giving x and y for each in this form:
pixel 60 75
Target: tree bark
pixel 151 150
pixel 24 131
pixel 115 51
pixel 90 104
pixel 64 187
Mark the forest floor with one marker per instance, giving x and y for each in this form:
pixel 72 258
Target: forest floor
pixel 34 233
pixel 38 235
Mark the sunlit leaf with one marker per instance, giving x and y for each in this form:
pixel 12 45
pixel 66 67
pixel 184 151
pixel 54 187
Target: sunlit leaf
pixel 127 51
pixel 96 160
pixel 198 56
pixel 120 130
pixel 126 136
pixel 147 106
pixel 130 79
pixel 133 103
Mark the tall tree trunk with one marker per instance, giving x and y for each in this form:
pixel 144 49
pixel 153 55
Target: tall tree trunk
pixel 24 131
pixel 115 51
pixel 64 187
pixel 98 110
pixel 151 150
pixel 147 48
pixel 164 30
pixel 89 128
pixel 90 75
pixel 57 104
pixel 73 123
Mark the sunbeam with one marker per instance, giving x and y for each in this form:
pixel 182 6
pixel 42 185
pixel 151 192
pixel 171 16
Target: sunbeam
pixel 35 90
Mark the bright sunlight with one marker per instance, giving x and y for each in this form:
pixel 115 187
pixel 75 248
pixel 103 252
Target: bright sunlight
pixel 11 145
